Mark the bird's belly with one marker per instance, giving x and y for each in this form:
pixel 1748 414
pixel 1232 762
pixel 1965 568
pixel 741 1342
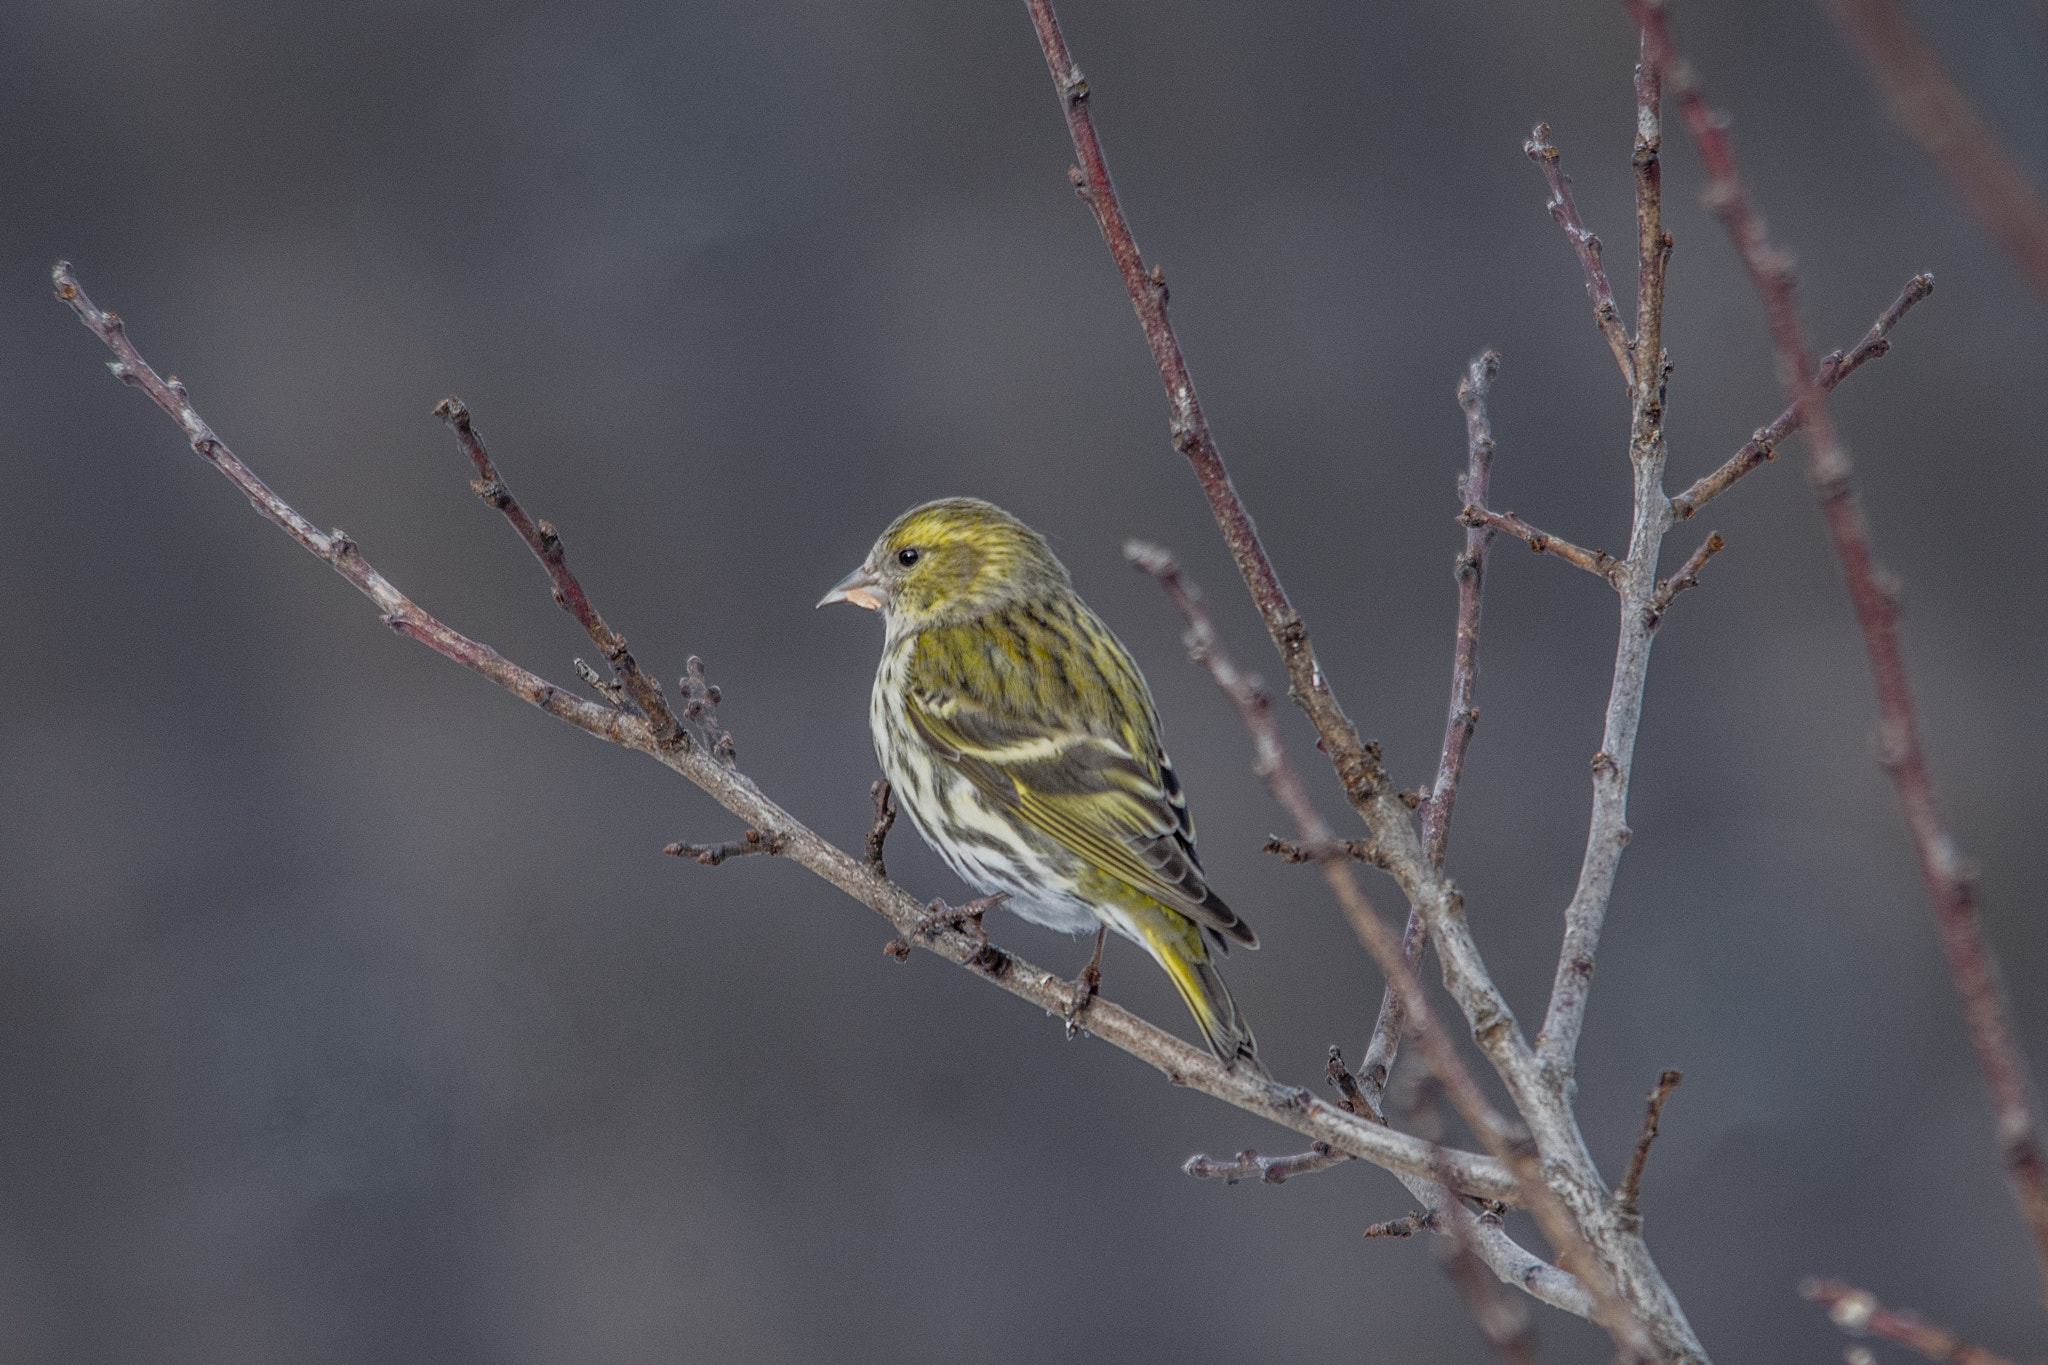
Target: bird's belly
pixel 983 846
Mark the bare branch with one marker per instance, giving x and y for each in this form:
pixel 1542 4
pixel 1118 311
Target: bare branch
pixel 1181 1062
pixel 1626 1194
pixel 1357 766
pixel 711 855
pixel 1833 370
pixel 1950 877
pixel 885 817
pixel 1599 563
pixel 1653 243
pixel 1269 1170
pixel 1503 1319
pixel 1688 576
pixel 1635 579
pixel 1474 485
pixel 1858 1313
pixel 1562 207
pixel 1935 113
pixel 1538 1092
pixel 1507 1141
pixel 540 538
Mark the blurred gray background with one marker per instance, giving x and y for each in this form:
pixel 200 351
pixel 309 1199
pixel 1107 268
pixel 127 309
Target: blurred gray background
pixel 348 1010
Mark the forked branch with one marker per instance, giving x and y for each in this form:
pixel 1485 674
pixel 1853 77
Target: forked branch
pixel 1949 876
pixel 1182 1063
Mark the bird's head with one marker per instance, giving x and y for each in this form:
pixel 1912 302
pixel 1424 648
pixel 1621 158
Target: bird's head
pixel 950 560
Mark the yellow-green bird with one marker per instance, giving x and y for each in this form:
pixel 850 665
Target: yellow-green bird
pixel 1021 738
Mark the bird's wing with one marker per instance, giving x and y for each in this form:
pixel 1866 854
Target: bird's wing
pixel 1112 802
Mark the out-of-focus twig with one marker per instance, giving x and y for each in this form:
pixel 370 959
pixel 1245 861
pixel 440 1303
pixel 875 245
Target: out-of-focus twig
pixel 1857 1312
pixel 1950 877
pixel 1934 111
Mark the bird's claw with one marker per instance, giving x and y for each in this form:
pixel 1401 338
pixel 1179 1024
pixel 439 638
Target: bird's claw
pixel 940 916
pixel 1086 986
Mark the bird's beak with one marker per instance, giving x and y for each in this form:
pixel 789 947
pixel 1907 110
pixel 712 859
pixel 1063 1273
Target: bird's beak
pixel 858 588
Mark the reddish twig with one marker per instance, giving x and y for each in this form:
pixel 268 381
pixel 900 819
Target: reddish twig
pixel 1269 1170
pixel 1507 1141
pixel 1630 1189
pixel 1181 1062
pixel 1833 370
pixel 1599 563
pixel 1858 1313
pixel 1357 766
pixel 1949 876
pixel 1405 1226
pixel 540 537
pixel 1931 107
pixel 1606 316
pixel 711 855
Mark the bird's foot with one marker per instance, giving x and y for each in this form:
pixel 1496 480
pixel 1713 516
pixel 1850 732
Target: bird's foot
pixel 1087 985
pixel 966 918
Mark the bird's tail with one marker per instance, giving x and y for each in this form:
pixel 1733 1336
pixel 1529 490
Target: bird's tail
pixel 1175 943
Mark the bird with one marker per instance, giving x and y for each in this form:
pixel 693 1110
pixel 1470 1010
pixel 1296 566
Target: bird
pixel 1019 735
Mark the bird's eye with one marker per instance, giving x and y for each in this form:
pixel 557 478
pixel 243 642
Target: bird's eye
pixel 908 556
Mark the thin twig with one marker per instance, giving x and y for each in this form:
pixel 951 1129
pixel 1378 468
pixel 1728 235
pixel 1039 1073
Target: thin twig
pixel 1950 877
pixel 1562 207
pixel 1355 1098
pixel 1270 1170
pixel 885 817
pixel 540 537
pixel 1599 563
pixel 1357 767
pixel 1473 487
pixel 1182 1063
pixel 1318 851
pixel 711 855
pixel 1858 1313
pixel 1688 576
pixel 1833 370
pixel 1405 1226
pixel 1505 1140
pixel 1630 1189
pixel 1934 111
